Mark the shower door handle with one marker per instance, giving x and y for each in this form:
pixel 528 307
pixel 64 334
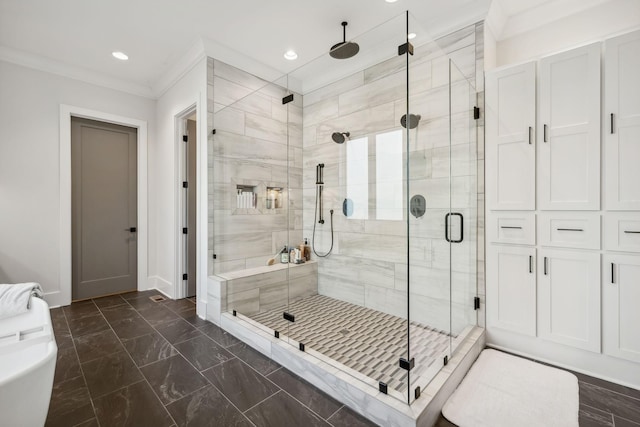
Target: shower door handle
pixel 446 227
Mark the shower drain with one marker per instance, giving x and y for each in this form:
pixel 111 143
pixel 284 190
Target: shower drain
pixel 345 331
pixel 157 298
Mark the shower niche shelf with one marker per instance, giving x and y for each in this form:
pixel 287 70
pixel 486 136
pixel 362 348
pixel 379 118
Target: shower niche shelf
pixel 248 197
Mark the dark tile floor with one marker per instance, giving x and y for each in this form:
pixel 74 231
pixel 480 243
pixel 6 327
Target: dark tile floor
pixel 128 361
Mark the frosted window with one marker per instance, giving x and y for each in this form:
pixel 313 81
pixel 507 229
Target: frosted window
pixel 389 176
pixel 358 177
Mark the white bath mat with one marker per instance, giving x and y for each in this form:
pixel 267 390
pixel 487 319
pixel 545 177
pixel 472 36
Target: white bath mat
pixel 505 390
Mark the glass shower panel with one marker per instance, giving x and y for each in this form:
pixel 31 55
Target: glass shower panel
pixel 354 209
pixel 432 219
pixel 464 202
pixel 251 196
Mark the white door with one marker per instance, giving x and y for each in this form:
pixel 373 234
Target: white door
pixel 569 130
pixel 511 288
pixel 510 141
pixel 622 122
pixel 569 298
pixel 620 296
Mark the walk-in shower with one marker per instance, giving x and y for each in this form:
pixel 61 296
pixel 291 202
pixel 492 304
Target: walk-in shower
pixel 372 162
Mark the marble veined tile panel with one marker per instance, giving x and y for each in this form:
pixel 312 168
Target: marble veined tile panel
pixel 265 128
pixel 384 90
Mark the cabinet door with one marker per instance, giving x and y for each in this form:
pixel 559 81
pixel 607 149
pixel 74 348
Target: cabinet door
pixel 510 148
pixel 620 296
pixel 511 289
pixel 569 298
pixel 622 122
pixel 569 130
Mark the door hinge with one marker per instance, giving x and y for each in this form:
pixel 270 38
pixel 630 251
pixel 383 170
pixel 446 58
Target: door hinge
pixel 185 138
pixel 185 276
pixel 301 346
pixel 446 360
pixel 407 365
pixel 404 48
pixel 213 132
pixel 276 334
pixel 382 387
pixel 185 184
pixel 215 256
pixel 476 113
pixel 417 393
pixel 287 99
pixel 476 303
pixel 184 230
pixel 289 317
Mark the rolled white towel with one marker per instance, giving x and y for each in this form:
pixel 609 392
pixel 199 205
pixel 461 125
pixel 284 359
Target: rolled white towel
pixel 14 299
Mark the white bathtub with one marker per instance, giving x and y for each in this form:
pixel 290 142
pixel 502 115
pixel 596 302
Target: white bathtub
pixel 27 364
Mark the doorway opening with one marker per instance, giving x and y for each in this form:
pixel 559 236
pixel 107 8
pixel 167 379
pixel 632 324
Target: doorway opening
pixel 104 215
pixel 187 173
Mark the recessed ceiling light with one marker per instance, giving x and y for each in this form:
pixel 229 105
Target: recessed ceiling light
pixel 120 55
pixel 391 1
pixel 290 55
pixel 411 36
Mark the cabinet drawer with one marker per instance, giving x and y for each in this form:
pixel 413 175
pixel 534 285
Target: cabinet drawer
pixel 570 230
pixel 622 232
pixel 518 228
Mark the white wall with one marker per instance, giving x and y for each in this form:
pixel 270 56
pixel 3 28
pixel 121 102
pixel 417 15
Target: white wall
pixel 607 19
pixel 190 90
pixel 29 166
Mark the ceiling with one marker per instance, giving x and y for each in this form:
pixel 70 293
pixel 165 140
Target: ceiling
pixel 79 35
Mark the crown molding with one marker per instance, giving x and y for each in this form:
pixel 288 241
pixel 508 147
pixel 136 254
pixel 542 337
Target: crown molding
pixel 181 67
pixel 543 14
pixel 49 65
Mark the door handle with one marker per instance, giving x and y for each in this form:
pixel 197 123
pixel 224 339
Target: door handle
pixel 546 271
pixel 530 263
pixel 612 129
pixel 570 229
pixel 530 133
pixel 446 227
pixel 544 134
pixel 131 229
pixel 511 227
pixel 613 279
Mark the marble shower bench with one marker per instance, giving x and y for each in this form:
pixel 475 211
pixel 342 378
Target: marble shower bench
pixel 258 289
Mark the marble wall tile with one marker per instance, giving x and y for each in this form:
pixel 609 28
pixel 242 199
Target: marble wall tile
pixel 246 302
pixel 227 93
pixel 256 281
pixel 357 269
pixel 321 111
pixel 303 286
pixel 390 301
pixel 257 104
pixel 377 247
pixel 237 76
pixel 229 119
pixel 225 266
pixel 238 147
pixel 236 246
pixel 266 129
pixel 273 296
pixel 336 287
pixel 244 224
pixel 334 89
pixel 381 91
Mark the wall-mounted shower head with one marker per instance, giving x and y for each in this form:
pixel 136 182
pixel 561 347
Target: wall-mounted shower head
pixel 344 49
pixel 414 119
pixel 340 137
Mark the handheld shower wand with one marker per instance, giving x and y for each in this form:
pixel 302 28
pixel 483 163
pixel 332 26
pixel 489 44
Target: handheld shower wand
pixel 318 206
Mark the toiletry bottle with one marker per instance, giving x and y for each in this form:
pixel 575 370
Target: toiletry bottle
pixel 292 255
pixel 307 250
pixel 284 256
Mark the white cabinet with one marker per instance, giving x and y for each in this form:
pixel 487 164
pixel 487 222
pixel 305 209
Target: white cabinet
pixel 620 297
pixel 511 289
pixel 622 122
pixel 569 298
pixel 569 130
pixel 510 141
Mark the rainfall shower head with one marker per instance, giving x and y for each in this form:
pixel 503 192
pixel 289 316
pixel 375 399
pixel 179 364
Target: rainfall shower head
pixel 340 137
pixel 413 121
pixel 344 49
